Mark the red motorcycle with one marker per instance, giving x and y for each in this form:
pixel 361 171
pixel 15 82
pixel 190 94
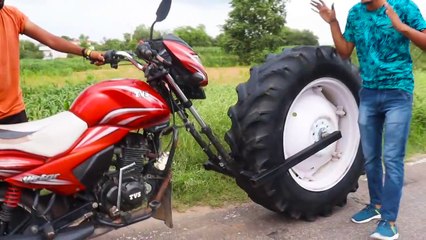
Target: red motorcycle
pixel 104 164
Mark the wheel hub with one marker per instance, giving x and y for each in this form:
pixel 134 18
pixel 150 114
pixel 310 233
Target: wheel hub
pixel 320 129
pixel 322 107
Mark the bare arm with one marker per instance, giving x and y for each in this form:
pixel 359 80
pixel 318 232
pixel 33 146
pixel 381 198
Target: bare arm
pixel 50 40
pixel 57 43
pixel 417 37
pixel 343 47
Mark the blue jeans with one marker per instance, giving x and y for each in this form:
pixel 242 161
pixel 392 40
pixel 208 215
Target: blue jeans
pixel 384 118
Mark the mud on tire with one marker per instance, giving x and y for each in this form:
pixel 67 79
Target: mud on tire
pixel 288 103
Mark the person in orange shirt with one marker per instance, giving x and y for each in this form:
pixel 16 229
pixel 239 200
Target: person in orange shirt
pixel 12 23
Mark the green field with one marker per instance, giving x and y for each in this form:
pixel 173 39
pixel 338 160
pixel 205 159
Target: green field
pixel 47 93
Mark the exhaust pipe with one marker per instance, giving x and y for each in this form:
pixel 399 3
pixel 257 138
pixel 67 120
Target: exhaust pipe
pixel 73 233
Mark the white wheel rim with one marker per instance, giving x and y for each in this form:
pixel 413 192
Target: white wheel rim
pixel 322 107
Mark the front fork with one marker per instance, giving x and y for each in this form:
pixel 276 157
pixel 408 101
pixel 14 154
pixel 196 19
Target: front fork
pixel 220 162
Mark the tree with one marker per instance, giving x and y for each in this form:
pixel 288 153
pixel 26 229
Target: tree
pixel 293 37
pixel 84 40
pixel 196 37
pixel 142 32
pixel 253 28
pixel 112 44
pixel 220 40
pixel 29 49
pixel 129 43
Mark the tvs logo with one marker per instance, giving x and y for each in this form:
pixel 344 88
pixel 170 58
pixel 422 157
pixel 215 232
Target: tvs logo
pixel 135 195
pixel 135 92
pixel 140 94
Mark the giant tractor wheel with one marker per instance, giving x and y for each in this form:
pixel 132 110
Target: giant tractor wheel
pixel 290 102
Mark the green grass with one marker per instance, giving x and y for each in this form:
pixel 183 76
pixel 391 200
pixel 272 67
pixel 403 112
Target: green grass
pixel 193 184
pixel 44 101
pixel 58 67
pixel 417 139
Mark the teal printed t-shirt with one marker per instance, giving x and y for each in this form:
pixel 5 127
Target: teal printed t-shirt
pixel 384 53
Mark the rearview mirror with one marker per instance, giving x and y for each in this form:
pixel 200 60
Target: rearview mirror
pixel 163 10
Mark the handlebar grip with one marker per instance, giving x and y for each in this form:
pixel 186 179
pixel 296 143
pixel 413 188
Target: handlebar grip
pixel 144 51
pixel 111 58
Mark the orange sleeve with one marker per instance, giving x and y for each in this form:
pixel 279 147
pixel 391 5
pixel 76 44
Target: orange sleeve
pixel 20 19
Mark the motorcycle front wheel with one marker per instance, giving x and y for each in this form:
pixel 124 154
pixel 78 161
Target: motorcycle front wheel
pixel 290 102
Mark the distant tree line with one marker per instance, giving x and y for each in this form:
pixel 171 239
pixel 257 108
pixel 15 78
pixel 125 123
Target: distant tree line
pixel 253 29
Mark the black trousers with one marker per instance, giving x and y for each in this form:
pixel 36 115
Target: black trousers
pixel 16 118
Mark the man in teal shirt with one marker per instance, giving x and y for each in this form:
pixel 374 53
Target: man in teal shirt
pixel 381 32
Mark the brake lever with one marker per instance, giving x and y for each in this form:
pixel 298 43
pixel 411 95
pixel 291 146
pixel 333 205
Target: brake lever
pixel 163 61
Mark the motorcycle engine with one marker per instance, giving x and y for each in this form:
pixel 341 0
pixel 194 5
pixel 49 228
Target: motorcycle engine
pixel 139 183
pixel 132 194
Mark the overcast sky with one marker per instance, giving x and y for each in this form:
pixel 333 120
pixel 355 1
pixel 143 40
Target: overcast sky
pixel 112 18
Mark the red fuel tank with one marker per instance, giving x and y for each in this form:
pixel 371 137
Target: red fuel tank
pixel 126 103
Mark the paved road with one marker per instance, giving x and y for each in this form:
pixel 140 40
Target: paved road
pixel 251 221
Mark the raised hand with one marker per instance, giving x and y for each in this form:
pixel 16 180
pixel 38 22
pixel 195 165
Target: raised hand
pixel 393 16
pixel 329 15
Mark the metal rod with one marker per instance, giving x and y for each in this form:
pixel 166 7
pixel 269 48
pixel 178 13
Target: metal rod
pixel 184 99
pixel 222 160
pixel 292 161
pixel 50 204
pixel 120 180
pixel 129 58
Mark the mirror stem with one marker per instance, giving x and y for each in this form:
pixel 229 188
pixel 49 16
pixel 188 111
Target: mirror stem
pixel 152 30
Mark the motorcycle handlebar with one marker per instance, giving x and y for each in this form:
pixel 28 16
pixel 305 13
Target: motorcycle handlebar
pixel 143 51
pixel 114 57
pixel 110 58
pixel 154 68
